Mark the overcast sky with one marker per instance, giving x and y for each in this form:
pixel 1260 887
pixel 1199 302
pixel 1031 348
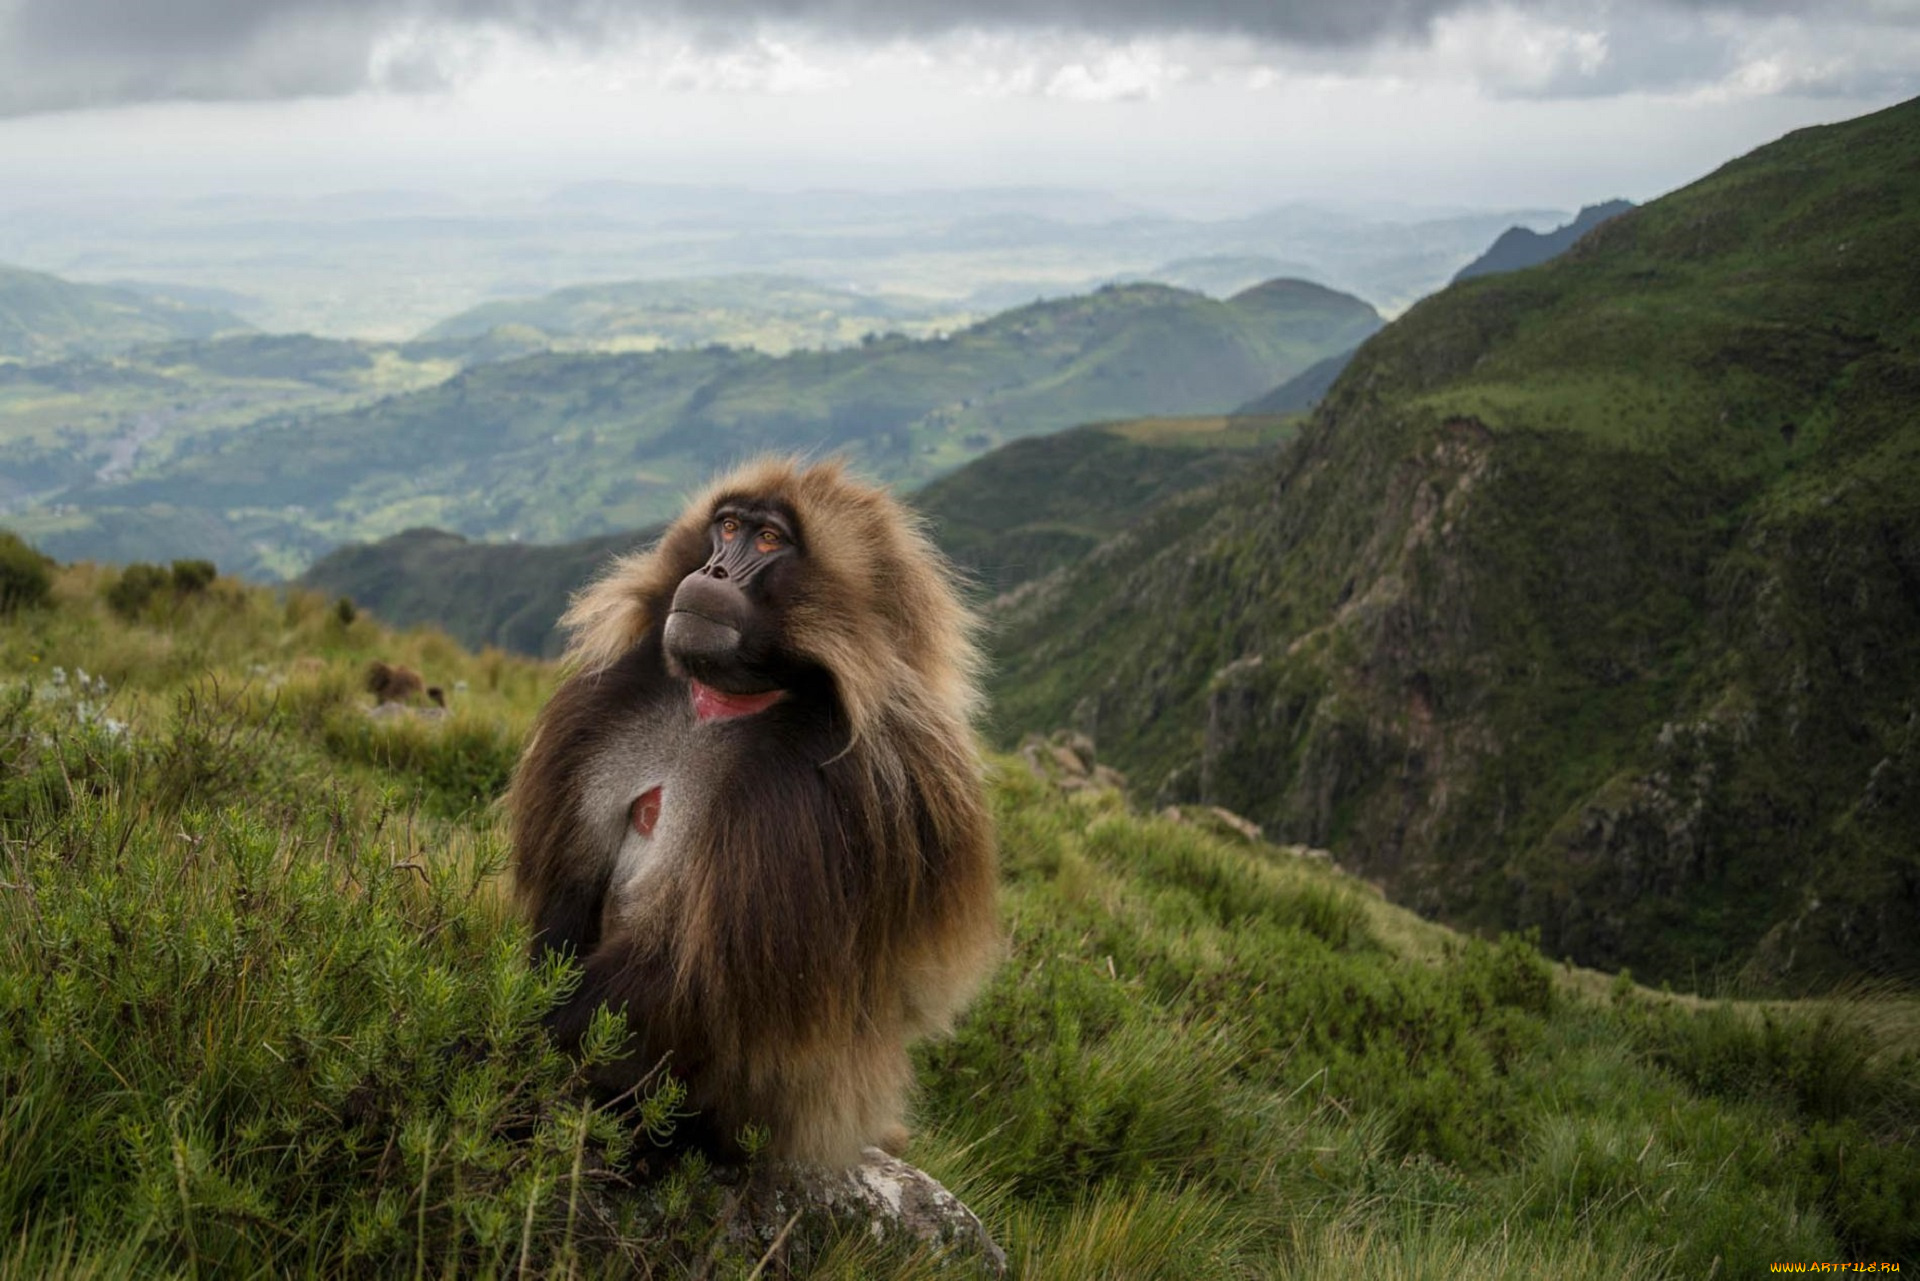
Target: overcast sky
pixel 1200 103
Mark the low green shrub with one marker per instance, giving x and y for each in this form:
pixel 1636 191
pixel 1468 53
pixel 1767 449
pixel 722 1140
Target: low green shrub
pixel 460 763
pixel 193 576
pixel 26 580
pixel 135 589
pixel 141 584
pixel 233 1046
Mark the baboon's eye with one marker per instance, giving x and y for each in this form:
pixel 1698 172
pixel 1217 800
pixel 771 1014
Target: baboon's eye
pixel 769 539
pixel 729 527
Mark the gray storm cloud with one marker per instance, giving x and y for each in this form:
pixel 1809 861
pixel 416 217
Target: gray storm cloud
pixel 65 54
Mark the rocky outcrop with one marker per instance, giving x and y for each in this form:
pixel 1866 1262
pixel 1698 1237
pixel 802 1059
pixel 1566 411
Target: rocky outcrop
pixel 1065 759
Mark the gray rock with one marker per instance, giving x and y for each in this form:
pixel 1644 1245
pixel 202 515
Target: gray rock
pixel 882 1194
pixel 1233 822
pixel 1068 761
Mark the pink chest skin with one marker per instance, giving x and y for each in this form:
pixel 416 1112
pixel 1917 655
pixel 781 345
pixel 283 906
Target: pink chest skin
pixel 646 811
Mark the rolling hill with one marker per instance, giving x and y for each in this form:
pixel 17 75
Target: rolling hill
pixel 81 422
pixel 1589 599
pixel 508 595
pixel 554 447
pixel 1222 275
pixel 774 314
pixel 43 317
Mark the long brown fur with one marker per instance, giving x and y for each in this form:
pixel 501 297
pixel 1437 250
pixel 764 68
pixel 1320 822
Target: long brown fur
pixel 393 684
pixel 826 894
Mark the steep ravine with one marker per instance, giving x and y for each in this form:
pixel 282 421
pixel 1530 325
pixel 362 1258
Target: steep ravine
pixel 1588 601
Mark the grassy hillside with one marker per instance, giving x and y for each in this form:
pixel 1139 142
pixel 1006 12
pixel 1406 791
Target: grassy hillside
pixel 1304 390
pixel 556 447
pixel 1587 599
pixel 43 317
pixel 1033 505
pixel 774 314
pixel 262 1011
pixel 509 595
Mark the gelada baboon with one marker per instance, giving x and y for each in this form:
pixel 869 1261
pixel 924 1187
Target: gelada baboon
pixel 394 684
pixel 754 810
pixel 391 683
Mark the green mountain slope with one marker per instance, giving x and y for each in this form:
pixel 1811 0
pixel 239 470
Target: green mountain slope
pixel 1589 599
pixel 774 314
pixel 1033 505
pixel 555 447
pixel 509 595
pixel 43 317
pixel 1304 390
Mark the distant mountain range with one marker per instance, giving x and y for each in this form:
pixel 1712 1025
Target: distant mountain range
pixel 557 446
pixel 769 313
pixel 43 318
pixel 1588 601
pixel 1522 247
pixel 387 265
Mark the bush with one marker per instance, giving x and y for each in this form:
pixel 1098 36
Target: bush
pixel 138 584
pixel 25 582
pixel 193 576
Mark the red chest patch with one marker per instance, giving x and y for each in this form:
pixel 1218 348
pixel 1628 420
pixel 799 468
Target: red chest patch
pixel 646 811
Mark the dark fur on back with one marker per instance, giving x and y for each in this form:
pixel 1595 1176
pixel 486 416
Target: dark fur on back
pixel 820 890
pixel 392 683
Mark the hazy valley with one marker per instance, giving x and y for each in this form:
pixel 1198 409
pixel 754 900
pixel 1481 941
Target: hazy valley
pixel 392 264
pixel 263 452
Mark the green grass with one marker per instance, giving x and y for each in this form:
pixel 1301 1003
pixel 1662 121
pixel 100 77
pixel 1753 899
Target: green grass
pixel 264 1011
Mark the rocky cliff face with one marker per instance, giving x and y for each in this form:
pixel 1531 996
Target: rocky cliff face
pixel 1589 600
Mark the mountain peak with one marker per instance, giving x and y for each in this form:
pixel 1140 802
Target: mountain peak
pixel 1520 247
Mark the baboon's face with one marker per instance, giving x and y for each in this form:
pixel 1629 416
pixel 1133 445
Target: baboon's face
pixel 724 630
